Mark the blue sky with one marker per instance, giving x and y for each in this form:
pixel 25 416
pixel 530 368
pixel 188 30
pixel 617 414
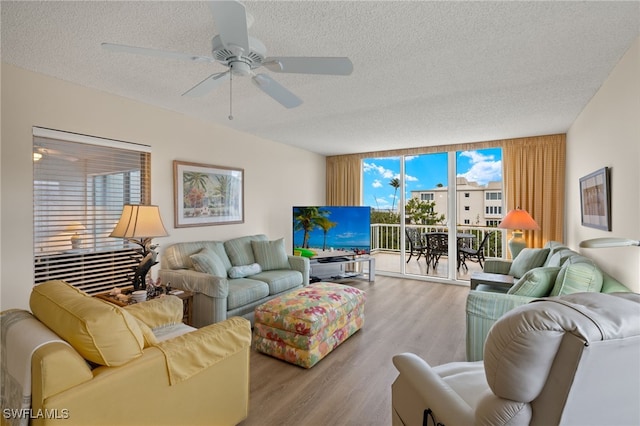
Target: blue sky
pixel 425 172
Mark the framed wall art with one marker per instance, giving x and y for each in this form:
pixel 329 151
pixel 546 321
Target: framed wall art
pixel 207 195
pixel 595 200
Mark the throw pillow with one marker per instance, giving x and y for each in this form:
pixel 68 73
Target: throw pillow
pixel 271 254
pixel 577 278
pixel 244 270
pixel 536 282
pixel 240 251
pixel 207 261
pixel 528 259
pixel 102 333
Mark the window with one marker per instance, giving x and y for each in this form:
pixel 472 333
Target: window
pixel 467 195
pixel 467 222
pixel 493 210
pixel 427 196
pixel 467 208
pixel 494 195
pixel 80 185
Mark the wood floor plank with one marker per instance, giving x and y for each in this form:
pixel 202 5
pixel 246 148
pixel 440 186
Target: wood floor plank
pixel 352 385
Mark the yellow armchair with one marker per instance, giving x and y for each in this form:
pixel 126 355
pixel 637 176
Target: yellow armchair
pixel 199 377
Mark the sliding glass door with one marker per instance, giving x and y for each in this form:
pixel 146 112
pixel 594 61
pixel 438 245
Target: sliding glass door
pixel 430 212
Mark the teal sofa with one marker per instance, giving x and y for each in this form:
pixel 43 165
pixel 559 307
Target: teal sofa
pixel 230 278
pixel 554 270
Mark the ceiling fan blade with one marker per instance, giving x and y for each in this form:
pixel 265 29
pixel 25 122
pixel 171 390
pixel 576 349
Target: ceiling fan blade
pixel 207 85
pixel 231 21
pixel 276 91
pixel 310 65
pixel 154 52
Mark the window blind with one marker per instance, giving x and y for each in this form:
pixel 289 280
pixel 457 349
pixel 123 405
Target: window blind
pixel 80 184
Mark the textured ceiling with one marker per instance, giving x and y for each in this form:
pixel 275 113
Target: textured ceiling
pixel 425 73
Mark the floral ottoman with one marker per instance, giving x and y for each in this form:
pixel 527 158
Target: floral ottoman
pixel 303 326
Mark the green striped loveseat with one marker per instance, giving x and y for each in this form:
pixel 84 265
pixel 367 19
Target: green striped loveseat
pixel 563 272
pixel 230 278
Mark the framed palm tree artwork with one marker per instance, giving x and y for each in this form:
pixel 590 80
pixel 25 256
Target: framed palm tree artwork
pixel 207 195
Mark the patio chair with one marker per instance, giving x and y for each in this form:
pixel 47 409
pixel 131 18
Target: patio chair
pixel 416 244
pixel 474 255
pixel 438 244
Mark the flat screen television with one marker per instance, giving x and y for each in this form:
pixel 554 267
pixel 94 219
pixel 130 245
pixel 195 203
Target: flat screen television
pixel 326 229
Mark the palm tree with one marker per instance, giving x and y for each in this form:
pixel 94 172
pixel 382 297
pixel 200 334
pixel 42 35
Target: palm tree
pixel 222 190
pixel 325 224
pixel 195 182
pixel 307 218
pixel 304 219
pixel 395 183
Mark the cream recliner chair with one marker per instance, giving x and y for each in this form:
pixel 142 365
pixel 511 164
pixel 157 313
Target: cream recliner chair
pixel 571 360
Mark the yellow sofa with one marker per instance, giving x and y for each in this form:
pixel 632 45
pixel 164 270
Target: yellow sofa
pixel 109 366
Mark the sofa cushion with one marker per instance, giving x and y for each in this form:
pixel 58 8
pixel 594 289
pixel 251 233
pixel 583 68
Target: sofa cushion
pixel 244 270
pixel 101 332
pixel 240 251
pixel 611 285
pixel 271 254
pixel 207 261
pixel 559 257
pixel 537 282
pixel 177 256
pixel 243 291
pixel 577 278
pixel 280 280
pixel 528 259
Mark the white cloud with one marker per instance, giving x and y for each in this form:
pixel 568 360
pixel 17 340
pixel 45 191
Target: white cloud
pixel 376 183
pixel 409 178
pixel 373 167
pixel 484 168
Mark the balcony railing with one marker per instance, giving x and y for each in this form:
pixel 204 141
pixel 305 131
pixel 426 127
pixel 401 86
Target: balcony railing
pixel 386 237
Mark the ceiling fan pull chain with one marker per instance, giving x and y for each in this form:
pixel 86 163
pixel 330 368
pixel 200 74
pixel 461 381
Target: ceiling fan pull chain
pixel 230 95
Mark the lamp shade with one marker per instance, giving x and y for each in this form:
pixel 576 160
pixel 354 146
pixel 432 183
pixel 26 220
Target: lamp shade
pixel 139 221
pixel 608 242
pixel 518 219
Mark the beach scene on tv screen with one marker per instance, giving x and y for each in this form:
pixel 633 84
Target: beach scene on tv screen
pixel 325 228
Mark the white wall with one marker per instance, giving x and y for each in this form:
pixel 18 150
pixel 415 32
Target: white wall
pixel 607 133
pixel 31 99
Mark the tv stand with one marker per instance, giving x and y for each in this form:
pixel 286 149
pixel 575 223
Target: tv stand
pixel 339 266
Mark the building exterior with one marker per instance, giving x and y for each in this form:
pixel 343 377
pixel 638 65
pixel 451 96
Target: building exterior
pixel 478 205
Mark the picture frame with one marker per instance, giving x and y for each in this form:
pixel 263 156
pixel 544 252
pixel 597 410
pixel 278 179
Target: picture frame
pixel 207 195
pixel 595 199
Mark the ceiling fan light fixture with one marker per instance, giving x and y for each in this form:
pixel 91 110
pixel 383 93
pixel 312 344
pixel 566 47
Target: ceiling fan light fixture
pixel 37 156
pixel 240 68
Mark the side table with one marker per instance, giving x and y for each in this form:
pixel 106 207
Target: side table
pixel 185 296
pixel 504 282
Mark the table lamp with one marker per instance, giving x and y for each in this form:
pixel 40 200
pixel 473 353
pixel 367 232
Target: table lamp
pixel 608 242
pixel 517 220
pixel 139 224
pixel 76 239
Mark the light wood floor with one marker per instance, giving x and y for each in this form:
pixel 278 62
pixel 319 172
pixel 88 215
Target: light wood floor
pixel 352 385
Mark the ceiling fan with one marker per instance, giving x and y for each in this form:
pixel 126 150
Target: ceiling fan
pixel 242 54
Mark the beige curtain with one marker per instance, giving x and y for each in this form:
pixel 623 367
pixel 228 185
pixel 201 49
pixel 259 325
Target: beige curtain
pixel 343 180
pixel 533 178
